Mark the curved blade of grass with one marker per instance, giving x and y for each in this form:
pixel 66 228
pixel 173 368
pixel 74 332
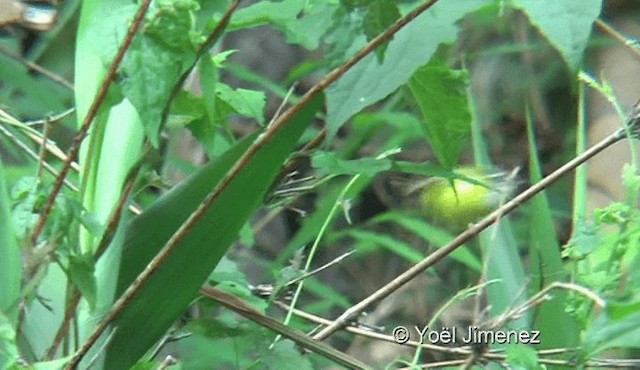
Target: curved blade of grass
pixel 170 290
pixel 10 261
pixel 500 251
pixel 557 328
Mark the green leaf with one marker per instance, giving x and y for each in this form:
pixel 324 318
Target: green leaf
pixel 171 22
pixel 329 163
pixel 523 356
pixel 433 236
pixel 248 103
pixel 442 97
pixel 380 15
pixel 285 356
pixel 369 81
pixel 369 241
pixel 566 24
pixel 80 272
pixel 276 13
pixel 147 76
pixel 9 353
pixel 606 332
pixel 10 257
pixel 170 290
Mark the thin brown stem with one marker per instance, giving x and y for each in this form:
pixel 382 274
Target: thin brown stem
pixel 93 110
pixel 277 125
pixel 608 29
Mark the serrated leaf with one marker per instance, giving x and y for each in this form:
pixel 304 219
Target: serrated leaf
pixel 147 76
pixel 566 24
pixel 170 290
pixel 369 81
pixel 441 94
pixel 172 23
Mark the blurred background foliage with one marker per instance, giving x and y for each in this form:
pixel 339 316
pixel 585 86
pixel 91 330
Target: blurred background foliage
pixel 498 66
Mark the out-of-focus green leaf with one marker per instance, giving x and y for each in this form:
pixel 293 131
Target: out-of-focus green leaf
pixel 9 353
pixel 329 163
pixel 567 24
pixel 369 241
pixel 10 259
pixel 524 357
pixel 284 356
pixel 441 94
pixel 369 81
pixel 81 274
pixel 432 235
pixel 606 332
pixel 169 291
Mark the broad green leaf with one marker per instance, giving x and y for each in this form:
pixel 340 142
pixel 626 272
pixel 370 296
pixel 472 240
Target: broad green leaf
pixel 441 94
pixel 566 24
pixel 170 290
pixel 369 81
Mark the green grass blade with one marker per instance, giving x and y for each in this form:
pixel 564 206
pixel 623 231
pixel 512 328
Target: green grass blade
pixel 170 290
pixel 556 327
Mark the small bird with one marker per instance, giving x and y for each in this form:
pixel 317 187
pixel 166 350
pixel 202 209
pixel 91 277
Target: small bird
pixel 457 203
pixel 37 17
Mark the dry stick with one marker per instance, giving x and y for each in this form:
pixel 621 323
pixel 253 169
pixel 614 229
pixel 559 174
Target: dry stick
pixel 93 110
pixel 465 236
pixel 184 229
